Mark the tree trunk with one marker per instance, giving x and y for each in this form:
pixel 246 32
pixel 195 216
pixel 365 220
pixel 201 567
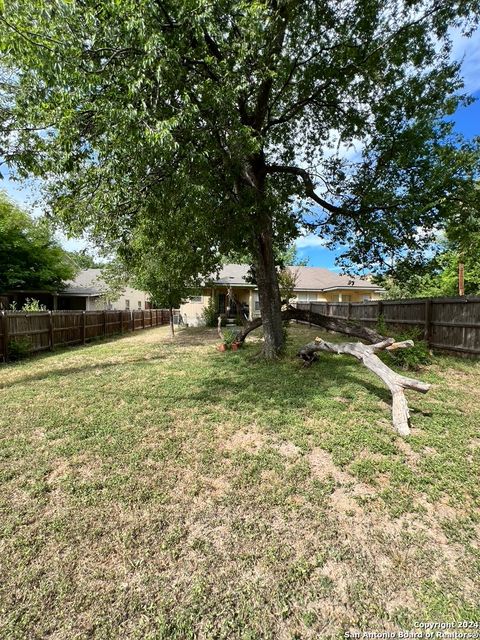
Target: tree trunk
pixel 269 294
pixel 346 327
pixel 172 327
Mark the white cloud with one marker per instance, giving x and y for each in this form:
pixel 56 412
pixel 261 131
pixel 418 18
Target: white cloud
pixel 309 240
pixel 467 49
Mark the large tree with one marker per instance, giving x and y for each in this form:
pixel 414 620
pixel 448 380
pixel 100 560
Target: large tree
pixel 235 117
pixel 30 257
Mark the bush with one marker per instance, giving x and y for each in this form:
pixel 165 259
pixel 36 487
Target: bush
pixel 229 336
pixel 412 358
pixel 31 305
pixel 209 314
pixel 19 348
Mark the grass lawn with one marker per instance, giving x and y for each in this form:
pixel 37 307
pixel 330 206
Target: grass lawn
pixel 151 489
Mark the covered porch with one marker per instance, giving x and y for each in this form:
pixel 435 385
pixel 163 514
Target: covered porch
pixel 238 303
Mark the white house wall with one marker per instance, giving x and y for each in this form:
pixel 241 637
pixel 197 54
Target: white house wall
pixel 136 298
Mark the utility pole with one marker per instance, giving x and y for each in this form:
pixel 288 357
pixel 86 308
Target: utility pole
pixel 461 280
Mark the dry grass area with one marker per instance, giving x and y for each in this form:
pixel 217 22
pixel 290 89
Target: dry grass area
pixel 151 490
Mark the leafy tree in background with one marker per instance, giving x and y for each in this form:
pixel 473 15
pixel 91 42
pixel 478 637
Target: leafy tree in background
pixel 30 258
pixel 84 260
pixel 438 277
pixel 170 274
pixel 240 119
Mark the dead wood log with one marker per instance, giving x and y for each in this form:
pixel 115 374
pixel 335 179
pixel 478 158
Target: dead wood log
pixel 326 322
pixel 366 354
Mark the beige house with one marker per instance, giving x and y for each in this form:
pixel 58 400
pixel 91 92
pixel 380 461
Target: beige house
pixel 313 284
pixel 89 292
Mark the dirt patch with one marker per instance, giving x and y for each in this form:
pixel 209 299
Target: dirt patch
pixel 288 449
pixel 322 467
pixel 411 456
pixel 250 441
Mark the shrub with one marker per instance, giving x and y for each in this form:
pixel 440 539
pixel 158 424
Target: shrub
pixel 31 305
pixel 229 336
pixel 209 314
pixel 412 358
pixel 19 348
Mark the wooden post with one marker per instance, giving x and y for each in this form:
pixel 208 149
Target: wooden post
pixel 327 308
pixel 349 310
pixel 143 319
pixel 121 322
pixel 309 314
pixel 461 279
pixel 51 335
pixel 5 336
pixel 379 309
pixel 132 321
pixel 427 331
pixel 104 323
pixel 84 327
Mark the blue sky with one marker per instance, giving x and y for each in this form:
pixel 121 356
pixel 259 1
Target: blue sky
pixel 467 122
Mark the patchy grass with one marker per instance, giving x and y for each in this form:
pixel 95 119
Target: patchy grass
pixel 152 490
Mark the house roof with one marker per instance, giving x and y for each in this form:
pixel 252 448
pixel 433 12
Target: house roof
pixel 88 282
pixel 308 278
pixel 317 278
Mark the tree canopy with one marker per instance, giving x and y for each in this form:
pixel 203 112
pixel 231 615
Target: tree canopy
pixel 244 120
pixel 30 258
pixel 438 276
pixel 84 260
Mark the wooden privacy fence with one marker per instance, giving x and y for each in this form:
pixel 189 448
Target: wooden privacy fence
pixel 46 330
pixel 451 324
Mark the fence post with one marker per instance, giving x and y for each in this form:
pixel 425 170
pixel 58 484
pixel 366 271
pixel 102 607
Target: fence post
pixel 428 321
pixel 327 308
pixel 5 336
pixel 84 327
pixel 121 322
pixel 143 319
pixel 51 335
pixel 349 310
pixel 310 314
pixel 379 309
pixel 104 323
pixel 132 321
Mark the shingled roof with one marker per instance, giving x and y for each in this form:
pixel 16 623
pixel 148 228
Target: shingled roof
pixel 88 282
pixel 308 278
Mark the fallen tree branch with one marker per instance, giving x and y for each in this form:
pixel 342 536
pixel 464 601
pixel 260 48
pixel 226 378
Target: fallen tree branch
pixel 326 322
pixel 366 354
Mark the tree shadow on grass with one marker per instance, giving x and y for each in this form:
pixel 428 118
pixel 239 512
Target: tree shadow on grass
pixel 68 371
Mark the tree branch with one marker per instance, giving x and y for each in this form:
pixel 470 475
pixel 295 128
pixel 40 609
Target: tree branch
pixel 366 354
pixel 309 187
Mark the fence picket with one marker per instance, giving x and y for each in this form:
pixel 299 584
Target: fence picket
pixel 47 329
pixel 449 324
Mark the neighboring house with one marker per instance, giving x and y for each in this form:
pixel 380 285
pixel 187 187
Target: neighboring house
pixel 87 292
pixel 313 284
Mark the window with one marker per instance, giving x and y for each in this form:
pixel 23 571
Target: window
pixel 127 305
pixel 366 298
pixel 257 305
pixel 139 304
pixel 195 298
pixel 346 298
pixel 305 296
